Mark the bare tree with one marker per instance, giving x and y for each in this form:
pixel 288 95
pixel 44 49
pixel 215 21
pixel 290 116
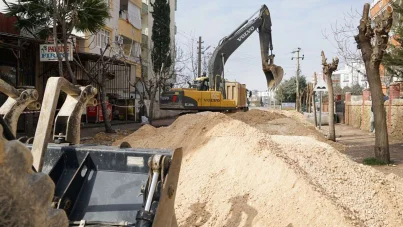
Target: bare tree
pixel 192 64
pixel 369 48
pixel 99 74
pixel 183 78
pixel 206 59
pixel 166 79
pixel 372 41
pixel 328 70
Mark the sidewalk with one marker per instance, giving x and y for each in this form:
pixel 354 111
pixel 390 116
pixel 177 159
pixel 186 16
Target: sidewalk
pixel 360 145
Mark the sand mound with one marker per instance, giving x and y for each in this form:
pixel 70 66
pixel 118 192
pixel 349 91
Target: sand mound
pixel 255 117
pixel 237 175
pixel 278 122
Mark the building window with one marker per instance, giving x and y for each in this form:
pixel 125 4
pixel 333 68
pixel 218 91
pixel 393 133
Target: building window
pixel 102 38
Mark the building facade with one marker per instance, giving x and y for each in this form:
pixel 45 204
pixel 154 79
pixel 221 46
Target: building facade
pixel 377 8
pixel 147 21
pixel 352 74
pixel 122 33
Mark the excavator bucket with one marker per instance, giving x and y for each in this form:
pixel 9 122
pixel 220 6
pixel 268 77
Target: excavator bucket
pixel 274 75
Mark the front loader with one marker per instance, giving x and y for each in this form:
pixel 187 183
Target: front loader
pixel 56 181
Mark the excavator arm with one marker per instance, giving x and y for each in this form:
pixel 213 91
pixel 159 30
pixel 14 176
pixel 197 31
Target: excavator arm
pixel 229 44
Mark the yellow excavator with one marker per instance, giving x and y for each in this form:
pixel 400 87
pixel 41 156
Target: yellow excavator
pixel 213 92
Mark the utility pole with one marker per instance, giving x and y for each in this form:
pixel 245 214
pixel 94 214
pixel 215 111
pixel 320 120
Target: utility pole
pixel 199 57
pixel 297 104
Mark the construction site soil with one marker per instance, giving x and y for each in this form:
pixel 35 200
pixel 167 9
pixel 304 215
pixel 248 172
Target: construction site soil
pixel 103 138
pixel 262 168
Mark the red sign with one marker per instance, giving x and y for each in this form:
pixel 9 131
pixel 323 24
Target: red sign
pixel 92 111
pixel 96 112
pixel 109 109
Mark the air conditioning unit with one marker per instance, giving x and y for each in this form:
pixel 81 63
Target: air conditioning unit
pixel 145 31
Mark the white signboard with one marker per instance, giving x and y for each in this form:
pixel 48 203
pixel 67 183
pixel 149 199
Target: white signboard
pixel 320 86
pixel 47 52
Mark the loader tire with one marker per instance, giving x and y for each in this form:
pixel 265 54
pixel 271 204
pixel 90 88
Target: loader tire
pixel 25 196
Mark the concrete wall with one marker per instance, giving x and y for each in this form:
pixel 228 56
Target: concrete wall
pixel 394 111
pixel 358 113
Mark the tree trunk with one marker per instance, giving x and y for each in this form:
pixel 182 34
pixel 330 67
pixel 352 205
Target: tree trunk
pixel 301 96
pixel 373 41
pixel 55 11
pixel 151 109
pixel 65 45
pixel 105 113
pixel 381 131
pixel 314 108
pixel 307 100
pixel 297 103
pixel 332 131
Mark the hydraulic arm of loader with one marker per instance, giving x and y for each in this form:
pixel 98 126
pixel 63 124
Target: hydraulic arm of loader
pixel 17 101
pixel 67 123
pixel 84 174
pixel 229 44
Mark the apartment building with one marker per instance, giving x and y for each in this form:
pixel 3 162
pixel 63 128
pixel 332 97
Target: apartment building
pixel 147 26
pixel 123 33
pixel 350 75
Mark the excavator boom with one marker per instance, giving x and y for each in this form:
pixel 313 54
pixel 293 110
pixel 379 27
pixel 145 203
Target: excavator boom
pixel 229 44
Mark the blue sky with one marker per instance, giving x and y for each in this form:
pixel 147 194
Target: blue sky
pixel 296 23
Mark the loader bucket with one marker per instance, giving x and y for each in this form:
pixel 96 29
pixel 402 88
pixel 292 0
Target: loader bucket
pixel 106 186
pixel 274 75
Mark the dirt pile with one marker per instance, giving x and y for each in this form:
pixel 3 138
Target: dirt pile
pixel 257 117
pixel 278 122
pixel 103 138
pixel 237 175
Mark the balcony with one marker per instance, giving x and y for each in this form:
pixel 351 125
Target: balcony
pixel 131 49
pixel 144 41
pixel 144 9
pixel 126 29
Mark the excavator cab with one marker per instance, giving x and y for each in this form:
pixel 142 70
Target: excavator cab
pixel 201 84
